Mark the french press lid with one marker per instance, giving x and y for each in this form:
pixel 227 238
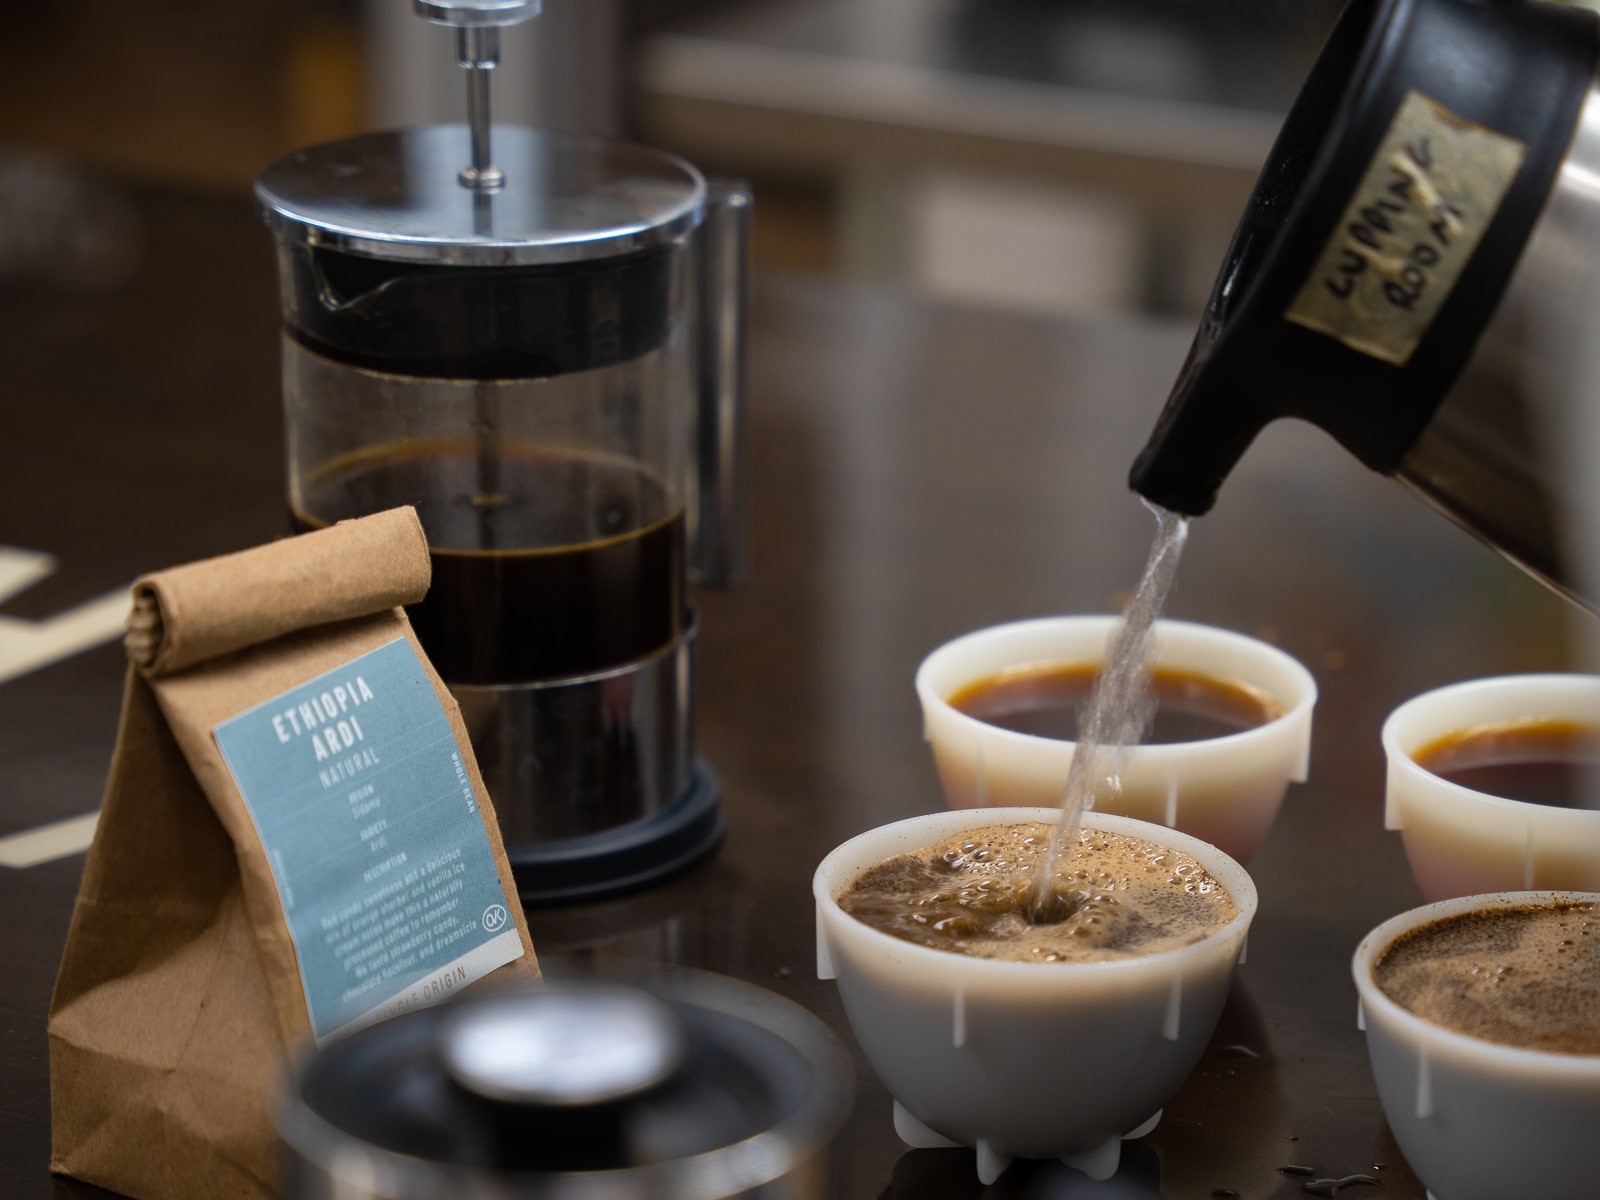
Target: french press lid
pixel 478 251
pixel 562 198
pixel 394 258
pixel 479 194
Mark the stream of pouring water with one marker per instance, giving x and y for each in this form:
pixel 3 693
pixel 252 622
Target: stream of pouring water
pixel 1121 701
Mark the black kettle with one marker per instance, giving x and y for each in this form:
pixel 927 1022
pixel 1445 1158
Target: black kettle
pixel 1413 272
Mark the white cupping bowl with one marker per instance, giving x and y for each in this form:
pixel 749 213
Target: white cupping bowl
pixel 1477 1120
pixel 1224 790
pixel 1462 842
pixel 1024 1060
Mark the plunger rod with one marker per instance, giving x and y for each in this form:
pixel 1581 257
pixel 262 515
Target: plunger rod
pixel 477 24
pixel 478 50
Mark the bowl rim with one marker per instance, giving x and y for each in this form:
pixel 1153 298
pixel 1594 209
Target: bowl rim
pixel 1418 1030
pixel 1149 751
pixel 1400 760
pixel 1227 870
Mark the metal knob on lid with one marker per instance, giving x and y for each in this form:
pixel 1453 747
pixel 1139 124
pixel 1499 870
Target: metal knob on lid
pixel 563 1047
pixel 564 1079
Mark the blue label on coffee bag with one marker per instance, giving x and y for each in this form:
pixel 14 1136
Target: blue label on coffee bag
pixel 368 818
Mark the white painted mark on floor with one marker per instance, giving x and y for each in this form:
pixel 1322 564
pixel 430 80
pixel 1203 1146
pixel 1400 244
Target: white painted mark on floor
pixel 21 569
pixel 28 645
pixel 48 842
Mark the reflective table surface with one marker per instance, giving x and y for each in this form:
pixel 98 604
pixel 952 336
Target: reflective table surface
pixel 918 471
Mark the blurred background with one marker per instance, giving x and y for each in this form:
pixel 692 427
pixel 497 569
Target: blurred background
pixel 1047 155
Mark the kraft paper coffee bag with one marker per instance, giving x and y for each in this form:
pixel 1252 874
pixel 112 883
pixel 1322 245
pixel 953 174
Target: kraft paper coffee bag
pixel 295 841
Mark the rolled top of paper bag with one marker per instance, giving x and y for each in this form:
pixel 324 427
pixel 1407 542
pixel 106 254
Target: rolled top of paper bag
pixel 206 609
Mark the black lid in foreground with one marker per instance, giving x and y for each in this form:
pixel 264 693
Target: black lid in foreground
pixel 694 1086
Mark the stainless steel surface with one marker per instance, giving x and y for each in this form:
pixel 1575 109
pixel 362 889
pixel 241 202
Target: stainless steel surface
pixel 1511 452
pixel 566 758
pixel 567 1046
pixel 566 198
pixel 719 547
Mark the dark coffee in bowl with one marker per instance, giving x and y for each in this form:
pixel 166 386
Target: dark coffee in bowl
pixel 1524 976
pixel 1116 895
pixel 1046 700
pixel 1552 762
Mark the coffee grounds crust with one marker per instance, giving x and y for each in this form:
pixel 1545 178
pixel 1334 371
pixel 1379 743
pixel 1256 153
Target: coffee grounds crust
pixel 969 894
pixel 1527 977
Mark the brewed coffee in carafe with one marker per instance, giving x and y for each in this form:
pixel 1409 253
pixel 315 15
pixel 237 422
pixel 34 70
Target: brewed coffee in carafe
pixel 528 363
pixel 1414 273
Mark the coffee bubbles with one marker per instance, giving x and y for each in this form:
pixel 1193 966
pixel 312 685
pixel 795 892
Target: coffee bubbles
pixel 1114 895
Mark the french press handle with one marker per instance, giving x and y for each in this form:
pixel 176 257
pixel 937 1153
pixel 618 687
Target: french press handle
pixel 719 514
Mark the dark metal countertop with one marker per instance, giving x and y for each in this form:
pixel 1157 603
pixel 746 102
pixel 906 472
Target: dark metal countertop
pixel 919 471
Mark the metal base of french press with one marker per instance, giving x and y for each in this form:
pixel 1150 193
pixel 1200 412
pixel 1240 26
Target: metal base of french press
pixel 593 777
pixel 630 856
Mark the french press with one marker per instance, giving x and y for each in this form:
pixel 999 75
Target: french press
pixel 1413 273
pixel 535 339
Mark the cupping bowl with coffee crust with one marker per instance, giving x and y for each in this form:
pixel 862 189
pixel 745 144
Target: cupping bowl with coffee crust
pixel 1058 1057
pixel 1482 1016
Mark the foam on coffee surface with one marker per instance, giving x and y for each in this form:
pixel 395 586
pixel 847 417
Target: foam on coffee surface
pixel 1526 977
pixel 1119 896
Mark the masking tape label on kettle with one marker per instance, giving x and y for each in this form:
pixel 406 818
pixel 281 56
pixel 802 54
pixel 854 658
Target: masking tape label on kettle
pixel 1408 232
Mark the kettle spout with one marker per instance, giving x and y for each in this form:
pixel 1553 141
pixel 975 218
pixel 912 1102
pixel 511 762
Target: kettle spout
pixel 1202 432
